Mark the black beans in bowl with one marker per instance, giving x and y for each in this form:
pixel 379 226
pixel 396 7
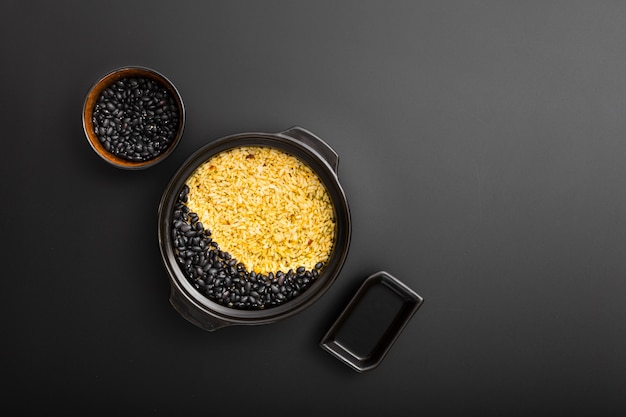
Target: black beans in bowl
pixel 133 117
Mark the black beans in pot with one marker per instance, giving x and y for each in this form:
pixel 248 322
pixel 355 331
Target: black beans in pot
pixel 220 277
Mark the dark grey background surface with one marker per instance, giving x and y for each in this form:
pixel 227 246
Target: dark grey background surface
pixel 482 150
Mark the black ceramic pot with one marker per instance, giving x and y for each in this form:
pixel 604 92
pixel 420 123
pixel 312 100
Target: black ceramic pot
pixel 209 315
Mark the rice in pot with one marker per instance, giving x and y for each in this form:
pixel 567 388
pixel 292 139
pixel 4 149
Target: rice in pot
pixel 265 207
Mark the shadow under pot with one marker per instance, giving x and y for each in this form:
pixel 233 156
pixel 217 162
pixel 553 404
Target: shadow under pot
pixel 253 228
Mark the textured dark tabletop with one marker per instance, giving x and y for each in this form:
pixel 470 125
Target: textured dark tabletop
pixel 482 148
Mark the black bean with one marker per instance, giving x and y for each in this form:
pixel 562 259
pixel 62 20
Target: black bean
pixel 119 100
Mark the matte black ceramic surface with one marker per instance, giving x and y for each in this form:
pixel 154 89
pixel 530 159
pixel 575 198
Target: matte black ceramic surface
pixel 364 332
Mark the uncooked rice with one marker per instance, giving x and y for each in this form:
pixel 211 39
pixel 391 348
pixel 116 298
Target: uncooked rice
pixel 265 207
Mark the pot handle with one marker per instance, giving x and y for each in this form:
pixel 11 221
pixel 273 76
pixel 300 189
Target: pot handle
pixel 180 304
pixel 330 156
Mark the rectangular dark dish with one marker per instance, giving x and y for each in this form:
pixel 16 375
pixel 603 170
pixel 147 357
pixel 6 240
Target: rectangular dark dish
pixel 371 322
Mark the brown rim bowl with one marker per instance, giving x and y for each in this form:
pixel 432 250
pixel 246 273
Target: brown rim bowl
pixel 91 101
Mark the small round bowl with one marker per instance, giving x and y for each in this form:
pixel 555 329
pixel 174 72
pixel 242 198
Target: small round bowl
pixel 94 139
